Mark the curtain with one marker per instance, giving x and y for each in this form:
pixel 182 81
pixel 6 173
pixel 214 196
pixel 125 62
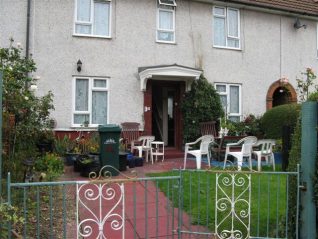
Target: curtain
pixel 233 28
pixel 101 18
pixel 83 29
pixel 81 118
pixel 233 22
pixel 99 107
pixel 219 31
pixel 219 11
pixel 234 99
pixel 81 95
pixel 100 83
pixel 83 10
pixel 165 20
pixel 165 23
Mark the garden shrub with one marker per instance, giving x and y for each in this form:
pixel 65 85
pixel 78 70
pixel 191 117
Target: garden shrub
pixel 8 214
pixel 274 119
pixel 50 166
pixel 249 126
pixel 25 115
pixel 294 160
pixel 202 103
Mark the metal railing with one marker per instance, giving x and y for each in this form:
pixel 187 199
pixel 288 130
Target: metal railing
pixel 185 203
pixel 209 198
pixel 82 209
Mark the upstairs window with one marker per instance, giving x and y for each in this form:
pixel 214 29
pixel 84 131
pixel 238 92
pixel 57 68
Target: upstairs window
pixel 92 18
pixel 167 2
pixel 230 95
pixel 166 21
pixel 226 27
pixel 90 101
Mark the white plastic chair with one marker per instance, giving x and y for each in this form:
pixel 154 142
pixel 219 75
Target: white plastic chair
pixel 143 144
pixel 242 148
pixel 265 149
pixel 204 149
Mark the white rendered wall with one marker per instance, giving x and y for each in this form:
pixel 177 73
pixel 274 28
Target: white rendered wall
pixel 271 49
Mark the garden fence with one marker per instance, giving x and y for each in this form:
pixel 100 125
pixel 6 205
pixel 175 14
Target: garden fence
pixel 185 204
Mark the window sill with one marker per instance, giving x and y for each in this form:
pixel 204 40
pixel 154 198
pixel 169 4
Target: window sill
pixel 227 48
pixel 92 36
pixel 76 128
pixel 82 128
pixel 166 42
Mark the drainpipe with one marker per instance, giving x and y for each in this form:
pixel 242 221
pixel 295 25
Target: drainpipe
pixel 27 43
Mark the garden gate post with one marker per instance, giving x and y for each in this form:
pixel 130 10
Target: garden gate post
pixel 1 75
pixel 308 166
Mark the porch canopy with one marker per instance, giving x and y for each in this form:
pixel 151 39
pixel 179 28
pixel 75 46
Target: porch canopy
pixel 170 73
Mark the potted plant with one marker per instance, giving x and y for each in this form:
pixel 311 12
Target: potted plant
pixel 88 164
pixel 224 130
pixel 45 141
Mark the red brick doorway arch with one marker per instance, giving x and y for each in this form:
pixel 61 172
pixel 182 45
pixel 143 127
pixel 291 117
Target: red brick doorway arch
pixel 279 94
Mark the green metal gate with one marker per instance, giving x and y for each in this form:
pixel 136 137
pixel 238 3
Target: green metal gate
pixel 186 204
pixel 235 204
pixel 102 207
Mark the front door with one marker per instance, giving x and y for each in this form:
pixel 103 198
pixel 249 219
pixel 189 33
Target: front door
pixel 165 118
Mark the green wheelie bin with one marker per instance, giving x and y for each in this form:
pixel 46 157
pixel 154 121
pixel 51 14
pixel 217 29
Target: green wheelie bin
pixel 109 147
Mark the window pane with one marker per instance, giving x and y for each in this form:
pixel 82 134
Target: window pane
pixel 100 83
pixel 99 107
pixel 83 29
pixel 165 36
pixel 234 118
pixel 83 10
pixel 233 23
pixel 101 18
pixel 220 88
pixel 219 31
pixel 81 95
pixel 165 20
pixel 168 2
pixel 234 99
pixel 219 11
pixel 81 118
pixel 223 102
pixel 233 43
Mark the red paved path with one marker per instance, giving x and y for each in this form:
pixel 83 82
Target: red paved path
pixel 154 218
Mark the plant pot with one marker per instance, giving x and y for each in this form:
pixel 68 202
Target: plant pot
pixel 123 161
pixel 86 164
pixel 70 159
pixel 131 163
pixel 139 162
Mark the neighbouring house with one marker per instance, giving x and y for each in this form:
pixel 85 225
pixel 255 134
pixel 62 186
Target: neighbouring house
pixel 111 61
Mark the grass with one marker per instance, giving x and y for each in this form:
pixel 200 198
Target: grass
pixel 267 207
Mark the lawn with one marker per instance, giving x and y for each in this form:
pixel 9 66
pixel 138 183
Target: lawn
pixel 267 205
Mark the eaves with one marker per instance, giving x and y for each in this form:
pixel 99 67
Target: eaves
pixel 263 8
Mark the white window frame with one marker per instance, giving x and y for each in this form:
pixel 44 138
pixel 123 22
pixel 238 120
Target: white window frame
pixel 227 94
pixel 163 2
pixel 317 40
pixel 91 88
pixel 173 30
pixel 226 9
pixel 91 22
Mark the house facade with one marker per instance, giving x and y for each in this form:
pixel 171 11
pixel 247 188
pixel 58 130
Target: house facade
pixel 113 61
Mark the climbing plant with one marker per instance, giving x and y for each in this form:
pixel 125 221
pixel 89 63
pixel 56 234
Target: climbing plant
pixel 201 103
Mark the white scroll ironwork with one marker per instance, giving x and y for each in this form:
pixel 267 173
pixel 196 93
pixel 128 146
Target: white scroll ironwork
pixel 232 207
pixel 101 207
